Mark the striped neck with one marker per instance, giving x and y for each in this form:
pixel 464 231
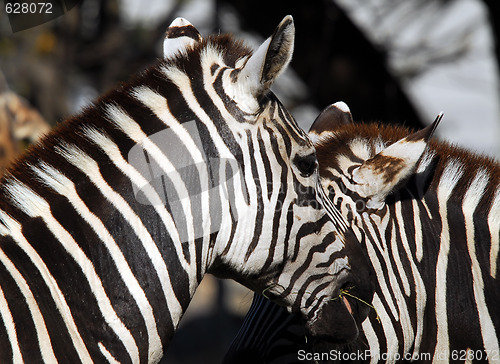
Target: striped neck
pixel 440 222
pixel 102 193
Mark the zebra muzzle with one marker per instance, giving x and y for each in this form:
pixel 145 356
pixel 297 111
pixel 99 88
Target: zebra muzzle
pixel 339 318
pixel 335 322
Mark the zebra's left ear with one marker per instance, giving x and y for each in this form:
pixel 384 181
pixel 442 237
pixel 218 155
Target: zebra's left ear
pixel 270 59
pixel 381 174
pixel 179 35
pixel 331 117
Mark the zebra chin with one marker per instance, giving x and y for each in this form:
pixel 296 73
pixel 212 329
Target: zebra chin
pixel 338 321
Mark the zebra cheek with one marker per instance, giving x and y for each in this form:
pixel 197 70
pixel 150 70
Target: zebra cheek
pixel 334 324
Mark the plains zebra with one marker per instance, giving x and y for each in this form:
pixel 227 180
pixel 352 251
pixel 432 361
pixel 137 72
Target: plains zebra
pixel 109 223
pixel 428 217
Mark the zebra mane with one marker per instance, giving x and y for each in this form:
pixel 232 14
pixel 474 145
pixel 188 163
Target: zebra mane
pixel 364 140
pixel 231 50
pixel 223 48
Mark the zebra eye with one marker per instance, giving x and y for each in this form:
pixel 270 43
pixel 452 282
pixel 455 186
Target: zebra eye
pixel 306 164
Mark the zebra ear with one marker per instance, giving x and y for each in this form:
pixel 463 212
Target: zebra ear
pixel 179 35
pixel 383 173
pixel 270 59
pixel 331 117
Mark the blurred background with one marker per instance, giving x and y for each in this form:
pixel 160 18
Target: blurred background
pixel 391 61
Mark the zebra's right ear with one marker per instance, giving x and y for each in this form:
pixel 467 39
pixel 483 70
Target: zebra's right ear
pixel 331 117
pixel 179 35
pixel 378 176
pixel 271 58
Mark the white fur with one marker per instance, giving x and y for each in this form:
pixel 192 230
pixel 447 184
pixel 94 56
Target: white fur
pixel 110 358
pixel 14 229
pixel 471 200
pixel 314 137
pixel 174 46
pixel 35 206
pixel 360 148
pixel 449 179
pixel 389 332
pixel 10 328
pixel 342 106
pixel 372 340
pixel 494 224
pixel 65 187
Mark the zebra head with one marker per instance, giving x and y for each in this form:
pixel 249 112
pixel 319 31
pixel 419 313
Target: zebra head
pixel 275 232
pixel 360 170
pixel 364 169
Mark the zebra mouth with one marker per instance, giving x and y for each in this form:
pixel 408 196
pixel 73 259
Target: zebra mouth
pixel 335 323
pixel 339 320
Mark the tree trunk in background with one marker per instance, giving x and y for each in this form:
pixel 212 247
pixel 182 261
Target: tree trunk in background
pixel 334 58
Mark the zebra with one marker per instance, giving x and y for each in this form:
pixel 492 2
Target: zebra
pixel 428 217
pixel 110 222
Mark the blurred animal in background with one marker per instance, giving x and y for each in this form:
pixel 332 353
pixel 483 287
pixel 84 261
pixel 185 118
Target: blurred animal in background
pixel 20 125
pixel 428 217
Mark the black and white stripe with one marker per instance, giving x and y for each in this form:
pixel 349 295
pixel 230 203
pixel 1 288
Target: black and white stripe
pixel 109 224
pixel 428 217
